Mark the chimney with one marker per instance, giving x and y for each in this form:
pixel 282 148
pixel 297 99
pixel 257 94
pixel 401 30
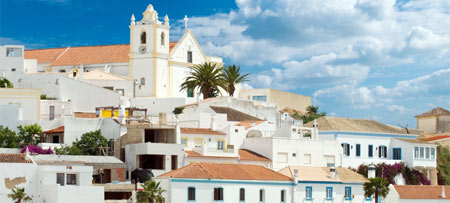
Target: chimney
pixel 296 176
pixel 333 173
pixel 443 192
pixel 315 135
pixel 213 123
pixel 371 171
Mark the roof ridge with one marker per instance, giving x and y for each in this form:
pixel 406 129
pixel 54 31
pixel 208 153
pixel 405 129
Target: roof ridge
pixel 77 47
pixel 202 167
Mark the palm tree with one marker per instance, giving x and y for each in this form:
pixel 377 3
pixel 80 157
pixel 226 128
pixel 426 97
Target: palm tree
pixel 152 193
pixel 377 187
pixel 18 195
pixel 206 77
pixel 231 76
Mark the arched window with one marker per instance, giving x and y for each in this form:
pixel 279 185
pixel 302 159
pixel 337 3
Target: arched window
pixel 143 38
pixel 163 38
pixel 242 195
pixel 191 194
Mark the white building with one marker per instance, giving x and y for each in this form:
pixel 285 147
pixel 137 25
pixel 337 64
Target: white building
pixel 47 182
pixel 418 194
pixel 212 182
pixel 322 184
pixel 370 142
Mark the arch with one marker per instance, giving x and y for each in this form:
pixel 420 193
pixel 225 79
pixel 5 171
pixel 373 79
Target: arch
pixel 144 38
pixel 163 38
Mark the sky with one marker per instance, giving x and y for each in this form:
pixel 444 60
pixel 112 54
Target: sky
pixel 384 60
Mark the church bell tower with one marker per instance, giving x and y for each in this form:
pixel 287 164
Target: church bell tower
pixel 149 54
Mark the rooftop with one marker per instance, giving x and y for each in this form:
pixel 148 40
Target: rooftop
pixel 327 123
pixel 42 159
pixel 233 115
pixel 226 171
pixel 438 137
pixel 59 129
pixel 99 75
pixel 13 158
pixel 322 174
pixel 413 141
pixel 422 191
pixel 205 131
pixel 434 112
pixel 248 123
pixel 245 155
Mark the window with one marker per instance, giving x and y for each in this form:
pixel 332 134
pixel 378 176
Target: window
pixel 282 157
pixel 242 194
pixel 346 148
pixel 13 70
pixel 163 38
pixel 13 52
pixel 142 81
pixel 198 142
pixel 433 153
pixel 358 150
pixel 382 151
pixel 143 38
pixel 416 152
pixel 370 150
pixel 220 144
pixel 51 112
pixel 397 153
pixel 308 193
pixel 189 56
pixel 422 153
pixel 283 195
pixel 60 179
pixel 261 195
pixel 427 154
pixel 71 179
pixel 191 194
pixel 174 162
pixel 330 160
pixel 218 194
pixel 121 92
pixel 184 140
pixel 62 71
pixel 307 158
pixel 348 193
pixel 259 98
pixel 329 193
pixel 236 130
pixel 190 92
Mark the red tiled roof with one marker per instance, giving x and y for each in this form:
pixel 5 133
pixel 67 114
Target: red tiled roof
pixel 59 129
pixel 84 115
pixel 248 123
pixel 195 154
pixel 422 191
pixel 247 155
pixel 435 112
pixel 437 137
pixel 226 171
pixel 205 131
pixel 13 158
pixel 83 55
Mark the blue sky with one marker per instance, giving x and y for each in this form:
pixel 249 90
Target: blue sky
pixel 378 59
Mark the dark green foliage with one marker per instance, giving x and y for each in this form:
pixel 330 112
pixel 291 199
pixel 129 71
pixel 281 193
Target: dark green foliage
pixel 178 110
pixel 312 114
pixel 18 195
pixel 206 77
pixel 443 165
pixel 44 97
pixel 5 83
pixel 377 187
pixel 8 138
pixel 388 172
pixel 30 134
pixel 89 144
pixel 231 76
pixel 152 193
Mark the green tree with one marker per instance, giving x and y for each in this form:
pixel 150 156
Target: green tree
pixel 72 150
pixel 5 83
pixel 152 193
pixel 206 77
pixel 30 134
pixel 90 143
pixel 8 138
pixel 312 114
pixel 231 76
pixel 18 195
pixel 443 157
pixel 377 187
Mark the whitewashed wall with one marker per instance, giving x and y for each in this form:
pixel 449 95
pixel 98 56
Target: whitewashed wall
pixel 18 170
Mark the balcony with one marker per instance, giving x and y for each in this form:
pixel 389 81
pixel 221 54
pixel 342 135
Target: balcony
pixel 213 151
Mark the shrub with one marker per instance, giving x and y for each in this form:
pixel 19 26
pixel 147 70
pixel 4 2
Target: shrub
pixel 36 149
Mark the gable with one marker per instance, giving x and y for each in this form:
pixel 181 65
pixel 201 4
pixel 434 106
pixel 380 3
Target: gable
pixel 188 42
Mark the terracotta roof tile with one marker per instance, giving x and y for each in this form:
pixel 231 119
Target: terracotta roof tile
pixel 197 155
pixel 422 191
pixel 44 55
pixel 437 137
pixel 248 123
pixel 435 112
pixel 205 131
pixel 310 173
pixel 13 158
pixel 84 115
pixel 172 45
pixel 59 129
pixel 247 155
pixel 226 171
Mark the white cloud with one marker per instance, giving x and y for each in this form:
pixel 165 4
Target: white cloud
pixel 396 108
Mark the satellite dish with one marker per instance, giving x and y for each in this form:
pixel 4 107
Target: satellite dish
pixel 253 133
